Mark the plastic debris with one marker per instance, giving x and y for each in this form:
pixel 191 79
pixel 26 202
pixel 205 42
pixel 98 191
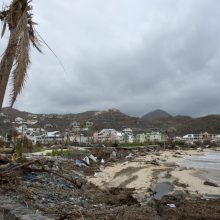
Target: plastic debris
pixel 129 156
pixel 172 205
pixel 94 159
pixel 86 160
pixel 80 163
pixel 113 155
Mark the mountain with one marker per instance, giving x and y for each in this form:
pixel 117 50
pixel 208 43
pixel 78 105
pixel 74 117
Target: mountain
pixel 114 118
pixel 14 113
pixel 157 114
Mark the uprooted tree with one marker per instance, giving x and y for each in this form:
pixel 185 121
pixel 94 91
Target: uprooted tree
pixel 17 17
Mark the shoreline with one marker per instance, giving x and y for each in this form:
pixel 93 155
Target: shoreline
pixel 144 172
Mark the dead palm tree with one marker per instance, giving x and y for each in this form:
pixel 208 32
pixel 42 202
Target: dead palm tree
pixel 16 58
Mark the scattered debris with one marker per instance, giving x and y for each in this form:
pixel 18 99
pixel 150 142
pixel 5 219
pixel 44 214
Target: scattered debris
pixel 80 163
pixel 172 205
pixel 86 160
pixel 94 159
pixel 129 156
pixel 153 162
pixel 113 155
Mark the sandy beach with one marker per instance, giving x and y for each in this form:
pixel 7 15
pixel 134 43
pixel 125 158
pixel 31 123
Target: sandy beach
pixel 142 173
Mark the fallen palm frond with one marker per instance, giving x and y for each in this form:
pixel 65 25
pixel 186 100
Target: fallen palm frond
pixel 16 58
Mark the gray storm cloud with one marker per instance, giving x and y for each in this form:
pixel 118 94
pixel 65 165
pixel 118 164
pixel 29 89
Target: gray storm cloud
pixel 126 54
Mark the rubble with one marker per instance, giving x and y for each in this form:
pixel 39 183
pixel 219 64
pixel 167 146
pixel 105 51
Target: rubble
pixel 94 159
pixel 57 188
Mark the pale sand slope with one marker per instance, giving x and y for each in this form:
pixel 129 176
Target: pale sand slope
pixel 139 175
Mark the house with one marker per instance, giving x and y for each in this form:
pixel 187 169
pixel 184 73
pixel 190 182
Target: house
pixel 151 137
pixel 128 136
pixel 2 115
pixel 205 136
pixel 75 126
pixel 32 116
pixel 31 122
pixel 156 137
pixel 47 138
pixel 108 136
pixel 141 138
pixel 19 120
pixel 77 137
pixel 89 124
pixel 6 121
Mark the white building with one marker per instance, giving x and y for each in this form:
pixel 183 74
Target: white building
pixel 201 137
pixel 128 136
pixel 19 120
pixel 46 138
pixel 6 121
pixel 2 114
pixel 31 122
pixel 108 136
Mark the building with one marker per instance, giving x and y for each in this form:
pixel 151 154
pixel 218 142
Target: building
pixel 6 121
pixel 19 120
pixel 46 138
pixel 73 137
pixel 2 114
pixel 141 138
pixel 108 136
pixel 151 137
pixel 128 136
pixel 156 137
pixel 201 137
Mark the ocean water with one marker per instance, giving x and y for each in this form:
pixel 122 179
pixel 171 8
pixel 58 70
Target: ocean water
pixel 208 164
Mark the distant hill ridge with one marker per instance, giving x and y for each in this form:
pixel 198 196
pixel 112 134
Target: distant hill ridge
pixel 157 114
pixel 115 119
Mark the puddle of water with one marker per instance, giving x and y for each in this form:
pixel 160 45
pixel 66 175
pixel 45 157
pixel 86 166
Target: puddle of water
pixel 161 189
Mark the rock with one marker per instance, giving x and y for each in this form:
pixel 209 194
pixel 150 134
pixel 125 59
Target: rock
pixel 102 161
pixel 209 183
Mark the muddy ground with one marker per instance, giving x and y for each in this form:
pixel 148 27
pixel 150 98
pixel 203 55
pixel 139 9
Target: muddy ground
pixel 59 199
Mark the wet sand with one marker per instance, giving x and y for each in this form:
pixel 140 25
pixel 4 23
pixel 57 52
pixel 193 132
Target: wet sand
pixel 141 174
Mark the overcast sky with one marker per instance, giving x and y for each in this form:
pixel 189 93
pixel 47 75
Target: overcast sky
pixel 134 55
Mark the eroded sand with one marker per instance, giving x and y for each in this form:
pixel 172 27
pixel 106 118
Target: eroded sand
pixel 141 174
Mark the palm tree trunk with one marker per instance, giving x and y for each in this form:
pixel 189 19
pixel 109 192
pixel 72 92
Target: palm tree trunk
pixel 6 66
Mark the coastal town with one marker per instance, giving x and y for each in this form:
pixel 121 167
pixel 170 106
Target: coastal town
pixel 81 134
pixel 152 170
pixel 109 111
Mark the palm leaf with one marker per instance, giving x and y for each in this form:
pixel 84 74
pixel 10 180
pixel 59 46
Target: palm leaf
pixel 22 59
pixel 15 60
pixel 3 29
